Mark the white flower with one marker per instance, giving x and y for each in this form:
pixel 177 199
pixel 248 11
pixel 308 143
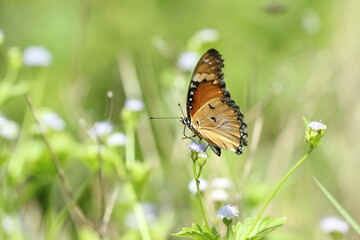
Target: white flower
pixel 3 120
pixel 1 37
pixel 317 126
pixel 219 195
pixel 150 212
pixel 134 105
pixel 311 22
pixel 203 155
pixel 223 183
pixel 116 139
pixel 207 35
pixel 197 147
pixel 202 185
pixel 228 212
pixel 9 224
pixel 37 56
pixel 8 128
pixel 50 120
pixel 334 224
pixel 187 61
pixel 101 129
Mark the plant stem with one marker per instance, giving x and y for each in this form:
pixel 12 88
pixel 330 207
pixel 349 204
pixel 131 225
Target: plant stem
pixel 275 191
pixel 130 148
pixel 227 232
pixel 108 211
pixel 197 176
pixel 139 212
pixel 60 171
pixel 101 181
pixel 130 162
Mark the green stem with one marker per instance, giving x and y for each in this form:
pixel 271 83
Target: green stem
pixel 129 162
pixel 101 180
pixel 275 191
pixel 130 147
pixel 336 236
pixel 139 213
pixel 227 232
pixel 197 176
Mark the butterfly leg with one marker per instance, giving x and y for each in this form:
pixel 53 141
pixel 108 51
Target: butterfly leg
pixel 185 136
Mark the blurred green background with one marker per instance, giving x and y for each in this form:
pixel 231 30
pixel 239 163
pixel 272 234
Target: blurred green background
pixel 283 60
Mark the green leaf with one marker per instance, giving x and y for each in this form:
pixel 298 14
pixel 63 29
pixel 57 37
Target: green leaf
pixel 337 205
pixel 263 227
pixel 199 233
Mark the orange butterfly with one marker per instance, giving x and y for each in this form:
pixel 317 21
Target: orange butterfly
pixel 211 114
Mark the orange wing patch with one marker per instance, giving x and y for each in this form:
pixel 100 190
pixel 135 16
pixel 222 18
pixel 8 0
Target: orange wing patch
pixel 205 92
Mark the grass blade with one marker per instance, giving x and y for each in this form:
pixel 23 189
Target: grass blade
pixel 337 205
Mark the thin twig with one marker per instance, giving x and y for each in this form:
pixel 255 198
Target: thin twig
pixel 99 171
pixel 101 180
pixel 65 184
pixel 110 96
pixel 109 210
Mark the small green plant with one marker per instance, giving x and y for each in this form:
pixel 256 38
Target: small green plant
pixel 252 228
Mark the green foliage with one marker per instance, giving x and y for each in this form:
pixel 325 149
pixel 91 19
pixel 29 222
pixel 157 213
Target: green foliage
pixel 262 228
pixel 199 233
pixel 139 174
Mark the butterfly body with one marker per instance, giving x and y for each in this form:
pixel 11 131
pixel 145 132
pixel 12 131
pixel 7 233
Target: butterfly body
pixel 211 114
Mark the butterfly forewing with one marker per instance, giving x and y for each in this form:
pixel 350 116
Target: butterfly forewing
pixel 213 116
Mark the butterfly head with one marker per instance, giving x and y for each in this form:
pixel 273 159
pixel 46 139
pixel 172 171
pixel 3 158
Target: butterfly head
pixel 185 121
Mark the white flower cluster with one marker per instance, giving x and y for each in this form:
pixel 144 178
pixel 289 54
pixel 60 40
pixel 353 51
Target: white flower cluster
pixel 207 35
pixel 2 37
pixel 51 121
pixel 8 129
pixel 228 212
pixel 134 105
pixel 219 188
pixel 334 224
pixel 311 22
pixel 197 147
pixel 187 61
pixel 203 184
pixel 37 56
pixel 317 126
pixel 104 130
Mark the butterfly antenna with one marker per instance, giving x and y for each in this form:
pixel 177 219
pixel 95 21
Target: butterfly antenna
pixel 163 117
pixel 182 112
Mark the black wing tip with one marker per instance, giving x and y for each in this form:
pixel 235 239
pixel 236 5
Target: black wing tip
pixel 218 58
pixel 213 52
pixel 216 150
